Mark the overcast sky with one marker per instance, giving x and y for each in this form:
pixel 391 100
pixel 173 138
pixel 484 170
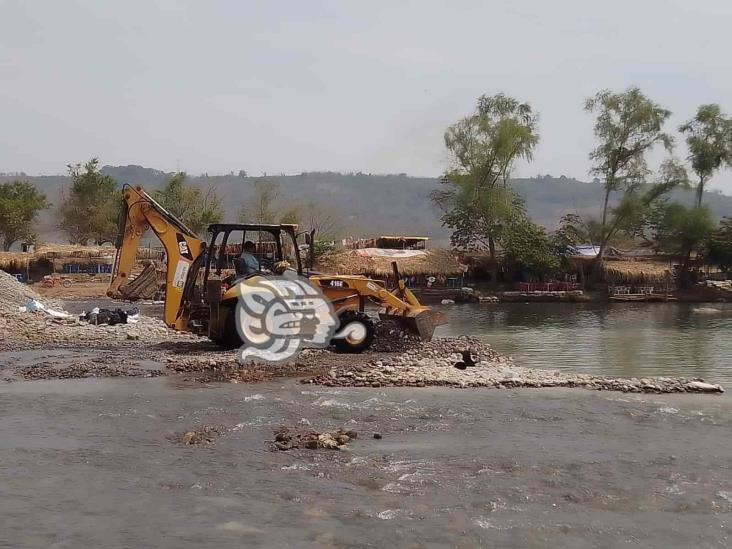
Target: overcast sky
pixel 290 86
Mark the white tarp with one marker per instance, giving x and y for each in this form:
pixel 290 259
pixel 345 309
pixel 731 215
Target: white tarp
pixel 34 305
pixel 395 254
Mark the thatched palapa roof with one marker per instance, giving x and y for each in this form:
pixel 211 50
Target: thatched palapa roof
pixel 636 271
pixel 59 254
pixel 427 262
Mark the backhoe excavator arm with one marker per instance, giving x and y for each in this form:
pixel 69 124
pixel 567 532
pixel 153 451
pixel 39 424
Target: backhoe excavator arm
pixel 182 247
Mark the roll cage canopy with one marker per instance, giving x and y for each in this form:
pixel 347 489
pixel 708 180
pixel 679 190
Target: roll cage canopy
pixel 225 229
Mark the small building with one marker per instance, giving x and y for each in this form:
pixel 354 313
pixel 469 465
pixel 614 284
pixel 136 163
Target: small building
pixel 387 243
pixel 402 242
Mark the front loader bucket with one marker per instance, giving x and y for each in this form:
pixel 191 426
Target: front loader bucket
pixel 422 323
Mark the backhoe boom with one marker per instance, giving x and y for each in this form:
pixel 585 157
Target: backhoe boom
pixel 182 247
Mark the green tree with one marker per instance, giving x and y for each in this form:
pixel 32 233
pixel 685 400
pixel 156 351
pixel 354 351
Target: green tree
pixel 20 204
pixel 528 249
pixel 476 201
pixel 627 126
pixel 709 138
pixel 90 210
pixel 194 207
pixel 720 246
pixel 574 230
pixel 631 216
pixel 679 230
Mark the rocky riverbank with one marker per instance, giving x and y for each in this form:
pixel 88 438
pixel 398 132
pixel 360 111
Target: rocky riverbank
pixel 467 362
pixel 148 348
pixel 22 329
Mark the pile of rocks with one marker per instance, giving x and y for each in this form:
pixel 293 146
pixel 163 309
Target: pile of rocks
pixel 391 337
pixel 289 438
pixel 467 362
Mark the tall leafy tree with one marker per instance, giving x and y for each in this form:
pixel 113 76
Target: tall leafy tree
pixel 528 249
pixel 628 125
pixel 20 204
pixel 89 211
pixel 720 246
pixel 476 201
pixel 709 138
pixel 575 230
pixel 195 207
pixel 679 230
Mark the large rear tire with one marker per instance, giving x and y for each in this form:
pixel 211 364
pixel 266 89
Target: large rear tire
pixel 230 337
pixel 359 342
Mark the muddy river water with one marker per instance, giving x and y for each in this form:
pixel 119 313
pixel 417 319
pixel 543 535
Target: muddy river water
pixel 89 463
pixel 86 463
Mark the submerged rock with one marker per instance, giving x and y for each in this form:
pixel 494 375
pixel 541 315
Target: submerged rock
pixel 205 434
pixel 289 438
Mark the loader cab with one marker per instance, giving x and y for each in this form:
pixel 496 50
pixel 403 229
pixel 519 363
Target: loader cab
pixel 273 244
pixel 208 302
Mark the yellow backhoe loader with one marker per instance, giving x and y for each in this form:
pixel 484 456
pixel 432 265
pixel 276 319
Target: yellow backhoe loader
pixel 201 290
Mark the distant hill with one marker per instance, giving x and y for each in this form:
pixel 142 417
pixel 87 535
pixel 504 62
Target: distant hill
pixel 373 204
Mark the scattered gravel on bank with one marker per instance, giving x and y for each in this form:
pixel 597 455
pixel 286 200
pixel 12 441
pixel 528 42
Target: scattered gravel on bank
pixel 38 328
pixel 397 358
pixel 437 363
pixel 84 369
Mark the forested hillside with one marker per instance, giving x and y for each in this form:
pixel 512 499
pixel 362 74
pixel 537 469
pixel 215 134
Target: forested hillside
pixel 370 204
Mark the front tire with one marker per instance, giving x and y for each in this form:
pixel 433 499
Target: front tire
pixel 360 341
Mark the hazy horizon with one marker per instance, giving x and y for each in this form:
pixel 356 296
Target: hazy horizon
pixel 290 87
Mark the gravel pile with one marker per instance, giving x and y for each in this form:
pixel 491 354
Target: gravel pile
pixel 14 294
pixel 390 337
pixel 467 362
pixel 21 328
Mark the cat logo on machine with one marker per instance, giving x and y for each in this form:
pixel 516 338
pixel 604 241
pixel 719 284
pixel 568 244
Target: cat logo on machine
pixel 183 248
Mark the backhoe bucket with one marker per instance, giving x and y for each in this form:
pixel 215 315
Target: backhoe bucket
pixel 143 286
pixel 422 323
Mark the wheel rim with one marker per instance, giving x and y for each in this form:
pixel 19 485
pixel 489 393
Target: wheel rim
pixel 355 336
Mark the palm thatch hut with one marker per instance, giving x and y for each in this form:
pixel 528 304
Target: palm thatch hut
pixel 637 272
pixel 376 262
